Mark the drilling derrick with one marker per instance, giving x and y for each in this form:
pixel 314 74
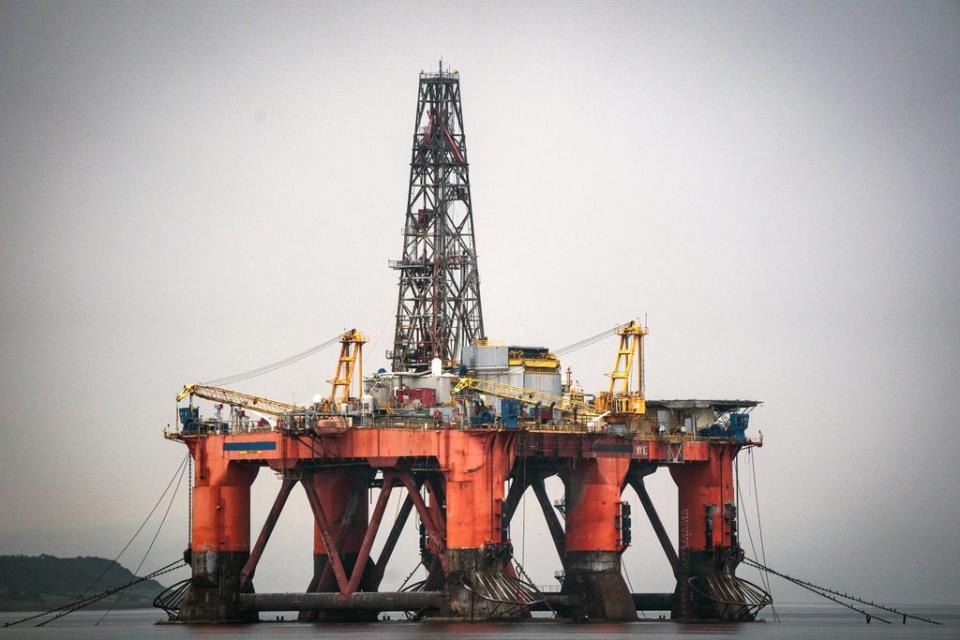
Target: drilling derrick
pixel 438 309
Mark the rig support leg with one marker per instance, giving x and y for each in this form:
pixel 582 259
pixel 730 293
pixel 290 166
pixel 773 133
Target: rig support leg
pixel 477 554
pixel 592 541
pixel 220 537
pixel 338 498
pixel 709 550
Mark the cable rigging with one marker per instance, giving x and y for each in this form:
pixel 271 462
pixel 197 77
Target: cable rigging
pixel 764 578
pixel 152 542
pixel 586 342
pixel 273 366
pixel 84 600
pixel 830 593
pixel 824 592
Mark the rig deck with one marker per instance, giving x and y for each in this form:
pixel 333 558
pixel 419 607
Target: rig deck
pixel 465 485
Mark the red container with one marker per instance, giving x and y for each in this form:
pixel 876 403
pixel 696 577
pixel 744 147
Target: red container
pixel 427 397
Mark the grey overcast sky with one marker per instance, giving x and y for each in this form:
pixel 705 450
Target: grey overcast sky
pixel 191 190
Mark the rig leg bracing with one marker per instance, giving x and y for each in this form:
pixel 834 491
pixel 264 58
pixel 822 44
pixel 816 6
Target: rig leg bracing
pixel 338 499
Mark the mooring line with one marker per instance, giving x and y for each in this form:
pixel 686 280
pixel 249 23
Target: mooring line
pixel 84 602
pixel 829 593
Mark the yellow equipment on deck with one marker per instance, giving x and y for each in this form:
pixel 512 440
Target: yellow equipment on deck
pixel 622 397
pixel 237 399
pixel 351 358
pixel 564 403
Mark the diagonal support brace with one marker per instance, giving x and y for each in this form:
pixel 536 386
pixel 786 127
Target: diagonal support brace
pixel 333 552
pixel 636 481
pixel 427 517
pixel 372 527
pixel 246 574
pixel 392 538
pixel 514 495
pixel 550 515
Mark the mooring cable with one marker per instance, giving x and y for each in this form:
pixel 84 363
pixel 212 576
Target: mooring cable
pixel 820 593
pixel 152 542
pixel 76 606
pixel 823 591
pixel 179 471
pixel 84 602
pixel 410 575
pixel 763 552
pixel 746 520
pixel 756 499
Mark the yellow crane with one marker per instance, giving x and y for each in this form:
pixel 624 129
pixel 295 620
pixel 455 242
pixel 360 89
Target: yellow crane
pixel 351 359
pixel 623 397
pixel 236 399
pixel 349 366
pixel 565 403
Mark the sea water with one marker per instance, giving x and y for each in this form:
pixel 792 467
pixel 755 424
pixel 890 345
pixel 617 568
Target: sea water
pixel 796 621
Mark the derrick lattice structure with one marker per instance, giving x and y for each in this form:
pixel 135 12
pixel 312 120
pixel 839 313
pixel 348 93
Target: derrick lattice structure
pixel 438 308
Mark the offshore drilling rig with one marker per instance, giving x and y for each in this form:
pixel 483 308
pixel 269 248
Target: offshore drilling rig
pixel 461 427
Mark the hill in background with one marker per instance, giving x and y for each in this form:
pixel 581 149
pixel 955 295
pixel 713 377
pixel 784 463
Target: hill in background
pixel 30 583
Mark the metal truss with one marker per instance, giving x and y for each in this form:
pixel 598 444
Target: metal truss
pixel 438 308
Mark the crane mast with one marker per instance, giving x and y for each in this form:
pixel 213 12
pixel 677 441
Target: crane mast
pixel 627 393
pixel 349 366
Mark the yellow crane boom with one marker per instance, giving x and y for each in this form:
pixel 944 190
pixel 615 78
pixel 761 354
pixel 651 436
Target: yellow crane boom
pixel 236 399
pixel 563 403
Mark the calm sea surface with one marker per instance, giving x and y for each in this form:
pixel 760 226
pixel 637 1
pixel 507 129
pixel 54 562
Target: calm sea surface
pixel 797 621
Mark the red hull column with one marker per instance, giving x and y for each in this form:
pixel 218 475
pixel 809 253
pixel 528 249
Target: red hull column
pixel 342 494
pixel 593 540
pixel 220 536
pixel 477 555
pixel 709 550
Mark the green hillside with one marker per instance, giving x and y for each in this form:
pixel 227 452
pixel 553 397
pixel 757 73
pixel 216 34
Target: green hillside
pixel 30 583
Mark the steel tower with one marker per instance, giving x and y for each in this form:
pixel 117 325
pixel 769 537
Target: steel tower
pixel 438 309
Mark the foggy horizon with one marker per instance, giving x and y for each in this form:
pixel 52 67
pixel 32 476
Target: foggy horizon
pixel 192 190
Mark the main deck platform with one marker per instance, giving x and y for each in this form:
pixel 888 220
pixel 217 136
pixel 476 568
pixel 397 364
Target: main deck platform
pixel 465 485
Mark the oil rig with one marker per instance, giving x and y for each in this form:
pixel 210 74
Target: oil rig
pixel 461 427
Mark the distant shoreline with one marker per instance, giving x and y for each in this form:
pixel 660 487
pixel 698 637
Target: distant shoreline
pixel 44 582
